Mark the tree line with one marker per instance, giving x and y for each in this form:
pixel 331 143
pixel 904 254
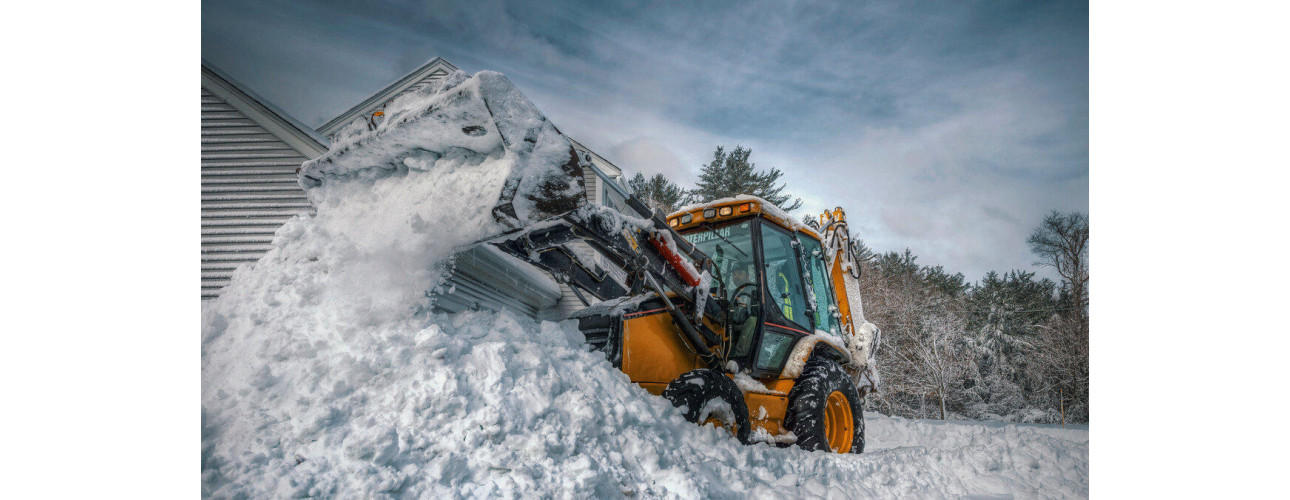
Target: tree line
pixel 1009 347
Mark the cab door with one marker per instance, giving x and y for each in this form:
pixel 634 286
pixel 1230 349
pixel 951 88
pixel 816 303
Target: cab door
pixel 785 310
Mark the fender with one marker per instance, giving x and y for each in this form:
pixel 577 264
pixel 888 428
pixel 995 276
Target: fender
pixel 822 345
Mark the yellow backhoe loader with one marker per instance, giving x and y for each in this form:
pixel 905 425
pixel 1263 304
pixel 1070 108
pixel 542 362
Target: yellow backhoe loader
pixel 782 359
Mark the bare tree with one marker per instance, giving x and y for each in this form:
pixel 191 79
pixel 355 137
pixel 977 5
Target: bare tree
pixel 1061 242
pixel 1063 355
pixel 937 355
pixel 923 324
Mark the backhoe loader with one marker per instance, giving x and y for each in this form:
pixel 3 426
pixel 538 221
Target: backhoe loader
pixel 736 313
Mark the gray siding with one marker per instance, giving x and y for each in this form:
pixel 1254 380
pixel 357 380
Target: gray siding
pixel 248 190
pixel 592 183
pixel 568 302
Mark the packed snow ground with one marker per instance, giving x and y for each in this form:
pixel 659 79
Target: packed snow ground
pixel 325 374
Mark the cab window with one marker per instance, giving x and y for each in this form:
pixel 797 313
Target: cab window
pixel 783 279
pixel 817 278
pixel 731 251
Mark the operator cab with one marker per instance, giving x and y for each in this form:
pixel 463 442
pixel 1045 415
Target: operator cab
pixel 768 272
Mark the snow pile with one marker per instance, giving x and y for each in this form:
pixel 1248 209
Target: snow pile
pixel 325 374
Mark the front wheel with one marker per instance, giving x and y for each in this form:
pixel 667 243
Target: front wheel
pixel 708 396
pixel 824 409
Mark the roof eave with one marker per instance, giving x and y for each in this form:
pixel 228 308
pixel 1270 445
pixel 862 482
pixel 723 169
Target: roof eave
pixel 385 94
pixel 616 171
pixel 282 125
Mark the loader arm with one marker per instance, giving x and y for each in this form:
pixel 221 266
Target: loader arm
pixel 645 251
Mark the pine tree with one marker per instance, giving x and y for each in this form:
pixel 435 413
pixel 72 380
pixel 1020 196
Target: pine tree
pixel 658 192
pixel 1006 323
pixel 732 174
pixel 862 251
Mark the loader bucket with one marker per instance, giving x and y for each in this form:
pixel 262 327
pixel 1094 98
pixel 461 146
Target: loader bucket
pixel 470 117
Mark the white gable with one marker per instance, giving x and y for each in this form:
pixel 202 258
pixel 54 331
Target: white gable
pixel 433 70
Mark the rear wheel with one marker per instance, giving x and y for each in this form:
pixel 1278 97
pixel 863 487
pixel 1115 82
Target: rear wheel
pixel 824 409
pixel 708 396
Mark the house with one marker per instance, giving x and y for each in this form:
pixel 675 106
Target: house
pixel 250 152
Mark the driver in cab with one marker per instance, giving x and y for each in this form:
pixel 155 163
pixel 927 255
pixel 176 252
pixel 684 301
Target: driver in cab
pixel 743 319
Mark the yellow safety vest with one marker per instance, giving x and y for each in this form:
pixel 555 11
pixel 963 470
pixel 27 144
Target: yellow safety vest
pixel 788 300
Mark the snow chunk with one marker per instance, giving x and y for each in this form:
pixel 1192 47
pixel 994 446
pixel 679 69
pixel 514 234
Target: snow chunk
pixel 863 346
pixel 749 384
pixel 613 307
pixel 760 435
pixel 716 408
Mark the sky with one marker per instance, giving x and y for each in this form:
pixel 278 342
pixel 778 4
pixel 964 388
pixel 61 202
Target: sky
pixel 949 128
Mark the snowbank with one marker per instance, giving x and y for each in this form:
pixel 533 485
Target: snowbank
pixel 325 374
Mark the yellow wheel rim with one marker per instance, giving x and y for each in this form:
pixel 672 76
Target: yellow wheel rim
pixel 838 422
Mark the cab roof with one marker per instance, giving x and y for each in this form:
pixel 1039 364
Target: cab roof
pixel 739 206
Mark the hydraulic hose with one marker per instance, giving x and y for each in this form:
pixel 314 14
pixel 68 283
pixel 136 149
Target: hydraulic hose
pixel 687 328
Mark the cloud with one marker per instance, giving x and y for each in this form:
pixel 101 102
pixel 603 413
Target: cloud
pixel 651 156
